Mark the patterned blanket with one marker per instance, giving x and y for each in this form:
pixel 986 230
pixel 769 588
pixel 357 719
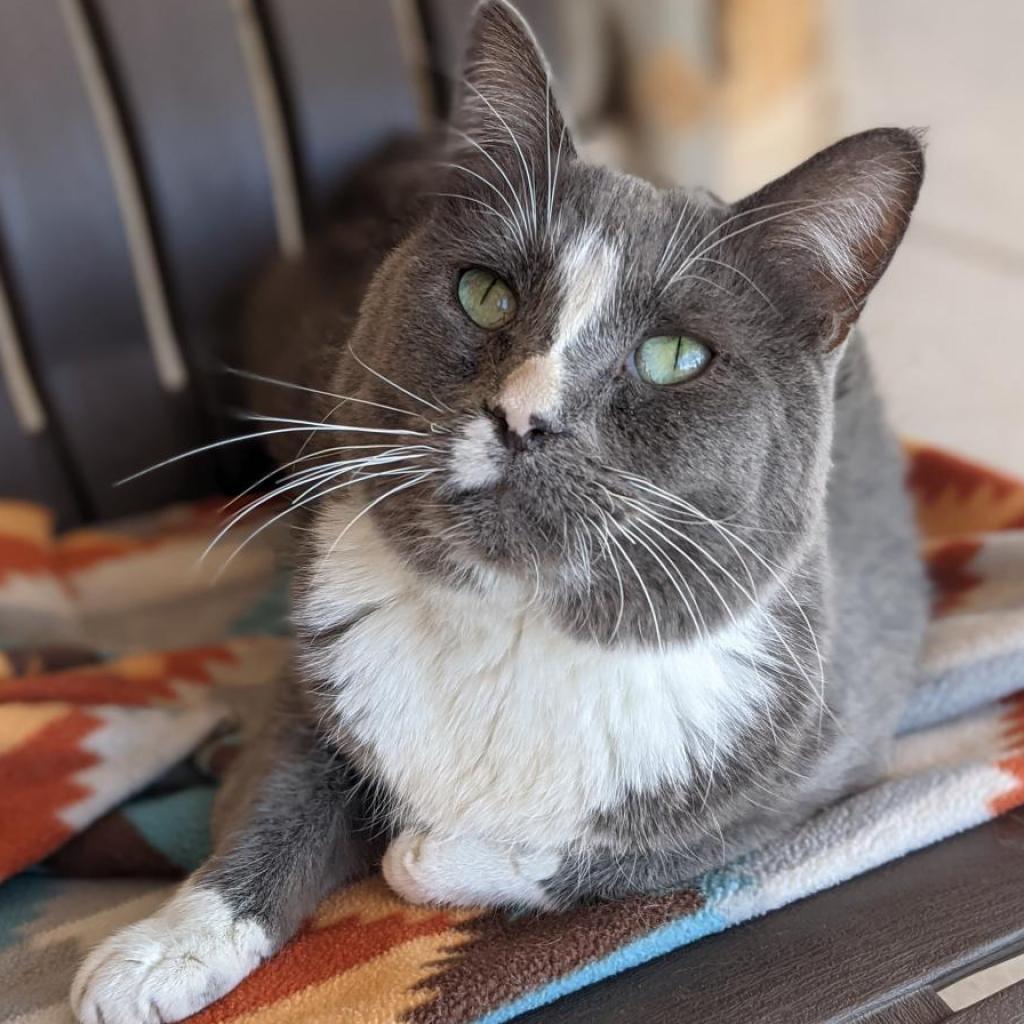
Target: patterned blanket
pixel 127 675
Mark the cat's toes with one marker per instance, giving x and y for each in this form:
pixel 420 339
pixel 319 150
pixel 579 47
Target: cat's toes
pixel 423 868
pixel 188 954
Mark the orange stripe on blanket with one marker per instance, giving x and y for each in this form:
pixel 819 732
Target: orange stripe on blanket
pixel 1013 763
pixel 20 722
pixel 1014 796
pixel 318 955
pixel 26 539
pixel 86 548
pixel 955 497
pixel 82 550
pixel 1013 723
pixel 135 681
pixel 20 557
pixel 36 783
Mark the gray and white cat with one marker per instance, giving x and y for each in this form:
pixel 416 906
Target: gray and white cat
pixel 609 574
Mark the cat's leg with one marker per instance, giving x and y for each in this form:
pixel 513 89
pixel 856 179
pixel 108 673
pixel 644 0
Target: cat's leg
pixel 466 871
pixel 291 838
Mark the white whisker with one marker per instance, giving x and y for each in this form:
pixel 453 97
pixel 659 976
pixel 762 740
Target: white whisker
pixel 709 242
pixel 418 479
pixel 237 439
pixel 478 202
pixel 640 580
pixel 319 454
pixel 505 178
pixel 665 568
pixel 738 273
pixel 388 380
pixel 732 540
pixel 342 399
pixel 527 171
pixel 291 508
pixel 484 181
pixel 669 250
pixel 255 417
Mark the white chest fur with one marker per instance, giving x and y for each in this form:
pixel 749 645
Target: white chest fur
pixel 487 720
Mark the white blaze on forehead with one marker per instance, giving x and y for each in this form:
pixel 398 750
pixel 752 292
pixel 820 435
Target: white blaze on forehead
pixel 588 271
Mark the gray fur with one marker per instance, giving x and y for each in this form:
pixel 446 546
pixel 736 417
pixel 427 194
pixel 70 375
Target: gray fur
pixel 290 823
pixel 782 438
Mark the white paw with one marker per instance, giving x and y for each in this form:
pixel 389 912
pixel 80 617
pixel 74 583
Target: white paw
pixel 462 871
pixel 189 953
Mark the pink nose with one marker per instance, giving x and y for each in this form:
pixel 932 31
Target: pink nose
pixel 527 401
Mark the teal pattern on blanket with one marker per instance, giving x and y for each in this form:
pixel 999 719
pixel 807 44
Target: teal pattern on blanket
pixel 176 824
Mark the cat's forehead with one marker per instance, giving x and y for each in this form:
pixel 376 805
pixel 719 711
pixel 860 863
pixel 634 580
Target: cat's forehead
pixel 539 222
pixel 609 248
pixel 634 216
pixel 592 268
pixel 613 247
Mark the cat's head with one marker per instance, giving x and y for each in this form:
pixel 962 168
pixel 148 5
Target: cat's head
pixel 624 392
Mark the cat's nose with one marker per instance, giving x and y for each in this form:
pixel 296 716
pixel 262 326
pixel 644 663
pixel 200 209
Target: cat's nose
pixel 518 434
pixel 525 407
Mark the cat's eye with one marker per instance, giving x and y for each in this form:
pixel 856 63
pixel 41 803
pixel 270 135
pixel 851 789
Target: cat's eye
pixel 670 359
pixel 487 300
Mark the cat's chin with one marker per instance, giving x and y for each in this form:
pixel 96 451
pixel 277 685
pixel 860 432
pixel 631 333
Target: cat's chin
pixel 482 558
pixel 498 528
pixel 483 551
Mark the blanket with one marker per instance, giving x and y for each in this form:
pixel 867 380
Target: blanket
pixel 127 676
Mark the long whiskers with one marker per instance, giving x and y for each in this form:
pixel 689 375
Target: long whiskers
pixel 639 577
pixel 317 482
pixel 735 542
pixel 419 478
pixel 508 221
pixel 521 222
pixel 236 439
pixel 344 428
pixel 308 456
pixel 527 170
pixel 341 399
pixel 387 380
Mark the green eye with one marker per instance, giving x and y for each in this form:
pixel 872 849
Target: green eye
pixel 487 300
pixel 669 360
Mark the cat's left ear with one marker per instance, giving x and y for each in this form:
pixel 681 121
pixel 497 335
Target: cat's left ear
pixel 834 223
pixel 504 104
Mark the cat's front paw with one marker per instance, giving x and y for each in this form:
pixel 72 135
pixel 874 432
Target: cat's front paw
pixel 168 966
pixel 462 871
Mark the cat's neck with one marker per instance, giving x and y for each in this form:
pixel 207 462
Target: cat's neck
pixel 473 686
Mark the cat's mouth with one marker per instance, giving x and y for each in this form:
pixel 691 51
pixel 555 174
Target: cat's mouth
pixel 523 511
pixel 480 461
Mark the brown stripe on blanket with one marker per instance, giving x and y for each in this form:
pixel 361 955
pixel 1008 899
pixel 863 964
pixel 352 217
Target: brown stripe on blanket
pixel 29 661
pixel 949 569
pixel 504 956
pixel 112 848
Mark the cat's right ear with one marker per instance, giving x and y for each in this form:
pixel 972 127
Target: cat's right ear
pixel 505 120
pixel 833 223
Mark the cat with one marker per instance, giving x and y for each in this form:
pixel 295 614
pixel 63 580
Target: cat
pixel 608 573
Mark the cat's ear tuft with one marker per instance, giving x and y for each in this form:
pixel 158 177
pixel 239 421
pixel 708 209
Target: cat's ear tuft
pixel 835 221
pixel 504 101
